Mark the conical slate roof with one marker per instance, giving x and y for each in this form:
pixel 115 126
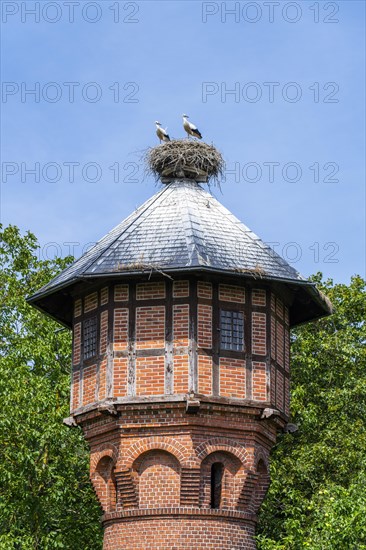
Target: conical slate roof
pixel 181 228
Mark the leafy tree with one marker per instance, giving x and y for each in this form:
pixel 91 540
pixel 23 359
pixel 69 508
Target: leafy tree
pixel 46 500
pixel 317 498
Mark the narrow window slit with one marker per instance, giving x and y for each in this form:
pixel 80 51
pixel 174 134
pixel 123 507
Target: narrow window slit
pixel 217 474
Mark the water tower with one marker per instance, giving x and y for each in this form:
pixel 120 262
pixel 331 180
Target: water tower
pixel 180 379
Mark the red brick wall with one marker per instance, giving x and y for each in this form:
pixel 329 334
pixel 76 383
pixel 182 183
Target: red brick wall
pixel 89 384
pixel 232 293
pixel 181 369
pixel 232 377
pixel 259 381
pixel 182 533
pixel 150 327
pixel 158 480
pixel 259 333
pixel 150 375
pixel 120 366
pixel 120 328
pixel 181 324
pixel 150 291
pixel 205 374
pixel 204 326
pixel 180 289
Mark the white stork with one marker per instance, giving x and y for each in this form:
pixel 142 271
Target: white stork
pixel 190 128
pixel 161 133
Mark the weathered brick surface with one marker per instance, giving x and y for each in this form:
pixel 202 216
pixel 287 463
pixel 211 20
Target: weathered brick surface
pixel 259 333
pixel 89 384
pixel 180 289
pixel 103 332
pixel 150 327
pixel 204 326
pixel 259 297
pixel 104 296
pixel 158 480
pixel 182 533
pixel 91 302
pixel 150 375
pixel 121 293
pixel 205 374
pixel 120 366
pixel 232 293
pixel 181 369
pixel 78 307
pixel 204 290
pixel 181 324
pixel 102 380
pixel 120 328
pixel 232 378
pixel 77 344
pixel 259 381
pixel 150 291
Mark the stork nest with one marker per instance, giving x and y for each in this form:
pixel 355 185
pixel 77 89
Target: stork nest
pixel 184 158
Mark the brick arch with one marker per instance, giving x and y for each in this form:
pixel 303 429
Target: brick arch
pixel 106 449
pixel 167 444
pixel 221 444
pixel 259 455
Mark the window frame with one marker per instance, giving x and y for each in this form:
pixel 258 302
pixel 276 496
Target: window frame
pixel 90 323
pixel 232 336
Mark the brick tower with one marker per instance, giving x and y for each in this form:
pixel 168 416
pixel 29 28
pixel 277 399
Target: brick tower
pixel 180 374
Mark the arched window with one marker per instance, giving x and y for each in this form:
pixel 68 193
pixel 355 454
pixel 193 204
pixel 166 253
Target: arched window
pixel 217 474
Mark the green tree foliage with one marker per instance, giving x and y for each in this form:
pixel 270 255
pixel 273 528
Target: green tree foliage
pixel 46 500
pixel 317 498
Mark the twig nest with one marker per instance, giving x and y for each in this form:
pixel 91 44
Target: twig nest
pixel 184 158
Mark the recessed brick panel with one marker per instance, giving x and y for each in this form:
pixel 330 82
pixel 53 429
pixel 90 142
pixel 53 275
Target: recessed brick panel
pixel 75 390
pixel 91 302
pixel 120 369
pixel 181 369
pixel 232 293
pixel 89 384
pixel 181 325
pixel 273 385
pixel 150 375
pixel 78 307
pixel 150 291
pixel 104 296
pixel 280 391
pixel 259 381
pixel 259 346
pixel 120 328
pixel 205 374
pixel 150 327
pixel 280 343
pixel 287 350
pixel 273 337
pixel 102 380
pixel 103 332
pixel 180 289
pixel 259 297
pixel 204 326
pixel 159 481
pixel 279 308
pixel 232 378
pixel 121 293
pixel 204 290
pixel 77 344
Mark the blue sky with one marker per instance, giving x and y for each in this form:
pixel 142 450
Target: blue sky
pixel 292 130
